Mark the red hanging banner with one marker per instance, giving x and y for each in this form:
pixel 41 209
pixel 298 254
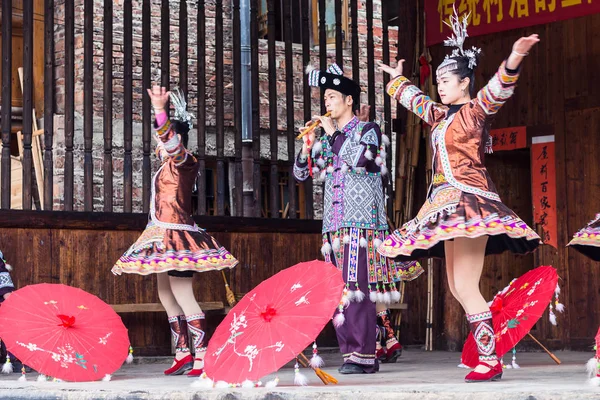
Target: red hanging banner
pixel 543 171
pixel 509 138
pixel 489 16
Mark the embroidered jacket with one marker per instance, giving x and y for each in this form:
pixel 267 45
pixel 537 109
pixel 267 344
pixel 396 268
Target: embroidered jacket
pixel 351 167
pixel 172 185
pixel 6 283
pixel 461 138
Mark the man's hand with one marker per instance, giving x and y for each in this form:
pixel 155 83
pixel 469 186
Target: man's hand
pixel 326 124
pixel 309 139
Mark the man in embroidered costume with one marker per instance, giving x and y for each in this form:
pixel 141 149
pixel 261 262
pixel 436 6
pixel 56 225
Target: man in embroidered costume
pixel 587 240
pixel 172 245
pixel 350 159
pixel 463 218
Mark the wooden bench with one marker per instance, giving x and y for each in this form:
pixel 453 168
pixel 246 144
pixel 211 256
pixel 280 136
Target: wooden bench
pixel 209 306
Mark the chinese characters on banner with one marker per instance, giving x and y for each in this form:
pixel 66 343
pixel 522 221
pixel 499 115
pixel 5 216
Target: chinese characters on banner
pixel 509 138
pixel 543 173
pixel 489 16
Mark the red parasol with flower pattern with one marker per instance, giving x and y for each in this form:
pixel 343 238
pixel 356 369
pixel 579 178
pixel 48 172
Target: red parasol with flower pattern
pixel 63 332
pixel 516 309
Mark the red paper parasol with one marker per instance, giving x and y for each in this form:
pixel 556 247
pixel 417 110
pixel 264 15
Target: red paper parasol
pixel 515 311
pixel 274 322
pixel 63 332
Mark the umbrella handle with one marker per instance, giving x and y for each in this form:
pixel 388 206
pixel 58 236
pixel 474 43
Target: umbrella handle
pixel 552 356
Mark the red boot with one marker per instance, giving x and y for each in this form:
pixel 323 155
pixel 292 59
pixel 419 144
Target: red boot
pixel 483 330
pixel 197 326
pixel 179 333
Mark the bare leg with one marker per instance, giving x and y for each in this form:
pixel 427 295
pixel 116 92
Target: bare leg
pixel 469 255
pixel 449 258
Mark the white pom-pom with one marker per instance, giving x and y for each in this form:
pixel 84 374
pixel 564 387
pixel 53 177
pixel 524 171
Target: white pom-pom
pixel 363 242
pixel 369 154
pixel 373 296
pixel 557 290
pixel 345 301
pixel 222 385
pixel 591 367
pixel 129 358
pixel 384 169
pixel 247 384
pixel 395 296
pixel 321 163
pixel 346 239
pixel 7 368
pixel 22 378
pixel 560 307
pixel 330 169
pixel 272 384
pixel 345 168
pixel 377 243
pixel 350 295
pixel 387 298
pixel 336 244
pixel 317 361
pixel 322 176
pixel 317 147
pixel 595 381
pixel 515 365
pixel 309 68
pixel 107 378
pixel 359 296
pixel 204 382
pixel 8 267
pixel 385 140
pixel 41 378
pixel 553 318
pixel 300 379
pixel 315 170
pixel 339 320
pixel 383 153
pixel 380 297
pixel 326 249
pixel 378 160
pixel 356 137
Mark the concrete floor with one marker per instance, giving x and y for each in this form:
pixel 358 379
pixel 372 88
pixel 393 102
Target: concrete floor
pixel 417 375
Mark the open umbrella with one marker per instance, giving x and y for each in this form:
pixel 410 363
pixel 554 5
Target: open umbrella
pixel 516 309
pixel 63 332
pixel 274 322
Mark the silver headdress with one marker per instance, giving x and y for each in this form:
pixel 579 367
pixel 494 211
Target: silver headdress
pixel 181 113
pixel 459 29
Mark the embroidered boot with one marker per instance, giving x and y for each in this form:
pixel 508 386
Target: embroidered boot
pixel 393 347
pixel 483 330
pixel 179 333
pixel 197 327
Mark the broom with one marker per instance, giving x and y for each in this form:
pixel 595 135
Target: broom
pixel 228 292
pixel 323 376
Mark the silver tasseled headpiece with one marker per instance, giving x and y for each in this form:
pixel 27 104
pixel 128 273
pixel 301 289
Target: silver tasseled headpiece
pixel 459 29
pixel 180 105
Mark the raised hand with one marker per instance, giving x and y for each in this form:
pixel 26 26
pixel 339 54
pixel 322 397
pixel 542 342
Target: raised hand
pixel 393 72
pixel 159 96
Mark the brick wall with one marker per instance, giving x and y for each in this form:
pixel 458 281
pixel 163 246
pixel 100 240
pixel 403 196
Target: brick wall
pixel 117 69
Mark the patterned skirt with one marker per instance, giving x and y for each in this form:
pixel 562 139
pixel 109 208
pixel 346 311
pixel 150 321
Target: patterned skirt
pixel 160 250
pixel 587 240
pixel 449 213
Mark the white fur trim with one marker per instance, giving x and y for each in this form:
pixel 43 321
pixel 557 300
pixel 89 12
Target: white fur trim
pixel 350 295
pixel 385 140
pixel 326 249
pixel 336 244
pixel 222 385
pixel 363 242
pixel 7 368
pixel 591 366
pixel 315 170
pixel 129 358
pixel 272 384
pixel 373 296
pixel 383 153
pixel 316 361
pixel 387 298
pixel 8 267
pixel 345 168
pixel 384 170
pixel 41 378
pixel 359 296
pixel 560 307
pixel 22 378
pixel 247 384
pixel 369 154
pixel 330 169
pixel 321 163
pixel 316 149
pixel 346 239
pixel 107 378
pixel 339 320
pixel 395 296
pixel 377 243
pixel 378 160
pixel 300 379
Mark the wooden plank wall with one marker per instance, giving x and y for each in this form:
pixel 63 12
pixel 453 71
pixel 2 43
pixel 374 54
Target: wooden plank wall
pixel 557 95
pixel 83 258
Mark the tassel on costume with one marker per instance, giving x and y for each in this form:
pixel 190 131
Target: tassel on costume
pixel 129 358
pixel 272 384
pixel 7 368
pixel 339 319
pixel 22 378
